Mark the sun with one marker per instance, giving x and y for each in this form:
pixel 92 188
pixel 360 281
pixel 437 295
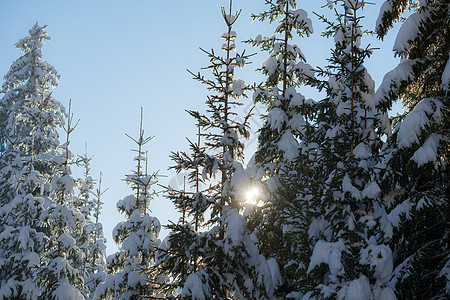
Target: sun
pixel 252 195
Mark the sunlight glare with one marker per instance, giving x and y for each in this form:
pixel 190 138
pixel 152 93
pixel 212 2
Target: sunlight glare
pixel 252 195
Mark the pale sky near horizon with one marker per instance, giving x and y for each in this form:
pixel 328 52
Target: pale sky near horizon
pixel 117 56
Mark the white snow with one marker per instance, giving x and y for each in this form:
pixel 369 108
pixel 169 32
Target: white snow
pixel 409 131
pixel 379 257
pixel 392 80
pixel 348 187
pixel 385 8
pixel 270 65
pixel 275 272
pixel 385 293
pixel 428 151
pixel 304 68
pixel 238 86
pixel 297 123
pixel 128 203
pixel 195 287
pixel 328 253
pixel 301 17
pixel 359 289
pixel 403 208
pixel 66 291
pixel 235 223
pixel 289 145
pixel 409 31
pixel 362 151
pixel 371 191
pixel 277 118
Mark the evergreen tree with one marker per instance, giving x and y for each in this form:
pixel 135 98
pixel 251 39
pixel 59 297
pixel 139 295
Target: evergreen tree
pixel 224 262
pixel 29 120
pixel 91 240
pixel 27 107
pixel 352 260
pixel 178 255
pixel 417 154
pixel 286 146
pixel 58 275
pixel 137 235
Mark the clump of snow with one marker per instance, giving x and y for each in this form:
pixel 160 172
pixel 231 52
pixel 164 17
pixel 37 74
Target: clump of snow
pixel 362 151
pixel 371 191
pixel 409 31
pixel 238 86
pixel 66 291
pixel 297 123
pixel 385 293
pixel 428 151
pixel 289 145
pixel 385 8
pixel 235 231
pixel 358 289
pixel 270 65
pixel 403 208
pixel 328 253
pixel 195 288
pixel 301 18
pixel 379 257
pixel 347 186
pixel 275 272
pixel 128 204
pixel 305 69
pixel 393 79
pixel 277 118
pixel 409 130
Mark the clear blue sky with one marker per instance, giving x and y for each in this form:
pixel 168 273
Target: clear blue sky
pixel 117 56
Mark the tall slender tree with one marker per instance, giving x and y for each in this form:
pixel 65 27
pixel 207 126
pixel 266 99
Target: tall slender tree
pixel 91 240
pixel 178 256
pixel 286 145
pixel 137 236
pixel 352 260
pixel 58 275
pixel 225 262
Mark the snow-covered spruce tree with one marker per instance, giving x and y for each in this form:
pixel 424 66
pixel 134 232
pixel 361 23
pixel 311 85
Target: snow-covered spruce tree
pixel 58 275
pixel 29 119
pixel 353 259
pixel 83 203
pixel 286 145
pixel 178 255
pixel 418 151
pixel 91 240
pixel 227 264
pixel 27 107
pixel 95 257
pixel 137 236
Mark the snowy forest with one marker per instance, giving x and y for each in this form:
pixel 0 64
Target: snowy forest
pixel 340 200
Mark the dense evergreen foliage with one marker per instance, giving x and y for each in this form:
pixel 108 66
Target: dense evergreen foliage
pixel 418 152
